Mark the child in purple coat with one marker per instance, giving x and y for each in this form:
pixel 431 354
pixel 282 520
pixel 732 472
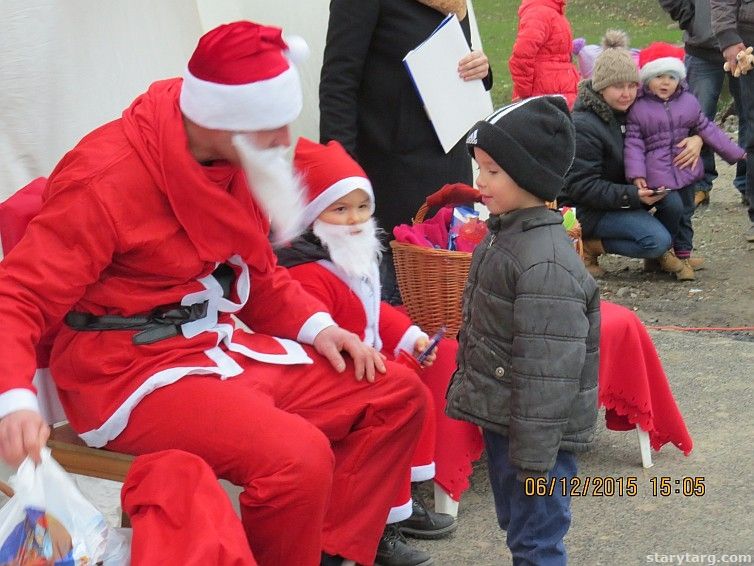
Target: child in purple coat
pixel 664 114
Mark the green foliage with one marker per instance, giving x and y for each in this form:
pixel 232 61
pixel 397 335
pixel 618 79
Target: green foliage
pixel 643 20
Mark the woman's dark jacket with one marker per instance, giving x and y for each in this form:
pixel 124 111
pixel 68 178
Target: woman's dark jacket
pixel 596 182
pixel 369 104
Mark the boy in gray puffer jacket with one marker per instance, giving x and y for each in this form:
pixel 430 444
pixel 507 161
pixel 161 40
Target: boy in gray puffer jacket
pixel 528 352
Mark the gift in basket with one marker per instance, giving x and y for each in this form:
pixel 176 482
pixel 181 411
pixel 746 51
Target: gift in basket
pixel 432 278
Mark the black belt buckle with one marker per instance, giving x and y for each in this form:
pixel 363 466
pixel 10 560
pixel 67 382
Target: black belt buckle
pixel 167 322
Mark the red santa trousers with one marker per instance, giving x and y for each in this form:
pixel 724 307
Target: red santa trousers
pixel 180 514
pixel 274 430
pixel 422 462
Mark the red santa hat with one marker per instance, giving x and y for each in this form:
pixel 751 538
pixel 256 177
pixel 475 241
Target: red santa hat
pixel 661 58
pixel 241 78
pixel 329 173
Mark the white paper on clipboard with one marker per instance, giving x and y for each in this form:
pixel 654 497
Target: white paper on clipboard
pixel 453 105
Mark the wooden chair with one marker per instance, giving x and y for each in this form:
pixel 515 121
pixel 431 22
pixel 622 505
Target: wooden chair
pixel 67 448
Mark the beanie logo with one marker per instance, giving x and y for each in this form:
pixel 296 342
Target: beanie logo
pixel 471 140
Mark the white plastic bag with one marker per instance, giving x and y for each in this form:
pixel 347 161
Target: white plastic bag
pixel 48 522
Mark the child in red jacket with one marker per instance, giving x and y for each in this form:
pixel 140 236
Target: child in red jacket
pixel 541 60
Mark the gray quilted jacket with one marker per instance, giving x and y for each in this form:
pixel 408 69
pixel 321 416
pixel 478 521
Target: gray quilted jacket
pixel 732 22
pixel 529 345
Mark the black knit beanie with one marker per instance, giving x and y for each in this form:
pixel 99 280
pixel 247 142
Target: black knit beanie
pixel 531 140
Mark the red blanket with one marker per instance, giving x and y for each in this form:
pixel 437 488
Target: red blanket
pixel 459 443
pixel 633 386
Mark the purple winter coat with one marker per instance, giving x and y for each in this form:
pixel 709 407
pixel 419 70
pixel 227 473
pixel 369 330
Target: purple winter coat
pixel 655 127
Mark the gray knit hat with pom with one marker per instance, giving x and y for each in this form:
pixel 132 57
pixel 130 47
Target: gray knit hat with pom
pixel 615 64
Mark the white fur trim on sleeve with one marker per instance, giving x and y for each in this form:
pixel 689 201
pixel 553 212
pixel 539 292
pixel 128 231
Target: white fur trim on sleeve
pixel 409 338
pixel 313 326
pixel 17 400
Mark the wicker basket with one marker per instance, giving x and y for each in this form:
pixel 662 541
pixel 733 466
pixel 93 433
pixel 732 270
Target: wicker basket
pixel 432 281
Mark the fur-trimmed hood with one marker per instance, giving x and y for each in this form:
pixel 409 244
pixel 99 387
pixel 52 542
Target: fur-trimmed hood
pixel 590 100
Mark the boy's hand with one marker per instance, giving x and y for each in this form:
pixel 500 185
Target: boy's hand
pixel 419 347
pixel 641 183
pixel 333 340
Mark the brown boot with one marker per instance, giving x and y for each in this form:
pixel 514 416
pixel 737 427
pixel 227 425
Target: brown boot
pixel 670 263
pixel 696 263
pixel 652 265
pixel 700 198
pixel 592 250
pixel 686 273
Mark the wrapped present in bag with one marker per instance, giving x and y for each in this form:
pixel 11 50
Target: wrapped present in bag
pixel 48 522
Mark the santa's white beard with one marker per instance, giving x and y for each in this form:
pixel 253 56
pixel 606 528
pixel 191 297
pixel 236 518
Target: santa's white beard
pixel 274 186
pixel 355 248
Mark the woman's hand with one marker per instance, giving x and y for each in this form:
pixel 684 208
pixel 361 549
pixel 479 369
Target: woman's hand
pixel 641 183
pixel 651 196
pixel 692 147
pixel 473 66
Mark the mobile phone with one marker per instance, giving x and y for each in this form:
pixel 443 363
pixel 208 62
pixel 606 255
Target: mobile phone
pixel 433 342
pixel 659 191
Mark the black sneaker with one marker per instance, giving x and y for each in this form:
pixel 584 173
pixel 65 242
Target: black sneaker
pixel 426 524
pixel 393 550
pixel 330 560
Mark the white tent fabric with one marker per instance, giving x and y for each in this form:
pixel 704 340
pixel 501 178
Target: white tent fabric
pixel 68 67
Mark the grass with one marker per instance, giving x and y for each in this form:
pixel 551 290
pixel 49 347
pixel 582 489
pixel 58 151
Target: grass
pixel 643 20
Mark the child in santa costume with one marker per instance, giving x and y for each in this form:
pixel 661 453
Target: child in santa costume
pixel 153 232
pixel 336 260
pixel 666 112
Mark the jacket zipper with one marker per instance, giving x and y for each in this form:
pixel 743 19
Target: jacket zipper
pixel 467 306
pixel 666 103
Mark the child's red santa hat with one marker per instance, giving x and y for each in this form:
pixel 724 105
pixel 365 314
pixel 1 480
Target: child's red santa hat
pixel 661 58
pixel 241 78
pixel 329 174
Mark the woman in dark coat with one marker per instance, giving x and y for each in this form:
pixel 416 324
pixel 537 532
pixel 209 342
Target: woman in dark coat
pixel 614 214
pixel 370 105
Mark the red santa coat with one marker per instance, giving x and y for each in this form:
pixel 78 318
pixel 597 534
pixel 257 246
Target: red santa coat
pixel 131 222
pixel 355 304
pixel 541 59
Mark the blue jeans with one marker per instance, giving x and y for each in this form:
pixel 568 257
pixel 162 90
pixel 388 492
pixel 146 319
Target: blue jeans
pixel 705 80
pixel 747 100
pixel 684 239
pixel 637 233
pixel 536 524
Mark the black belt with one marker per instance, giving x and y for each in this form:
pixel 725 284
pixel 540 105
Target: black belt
pixel 161 323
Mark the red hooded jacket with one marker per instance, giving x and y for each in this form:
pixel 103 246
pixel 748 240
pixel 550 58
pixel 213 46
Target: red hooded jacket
pixel 541 59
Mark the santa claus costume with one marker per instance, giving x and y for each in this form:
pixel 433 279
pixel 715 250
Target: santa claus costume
pixel 146 253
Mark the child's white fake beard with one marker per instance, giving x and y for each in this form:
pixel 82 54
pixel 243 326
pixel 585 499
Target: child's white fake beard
pixel 274 186
pixel 356 249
